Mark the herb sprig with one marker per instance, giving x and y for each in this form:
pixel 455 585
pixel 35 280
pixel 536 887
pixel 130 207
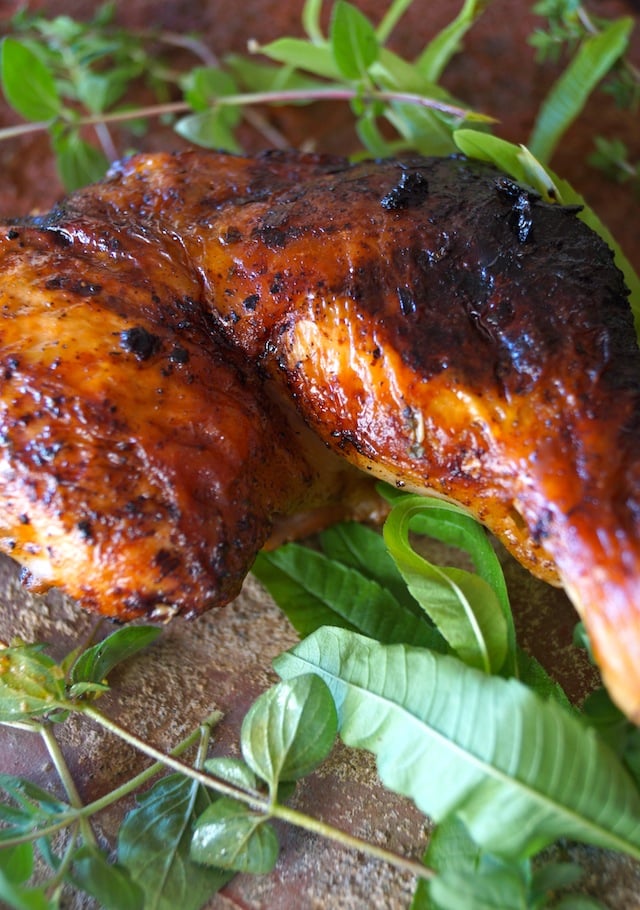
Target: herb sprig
pixel 378 621
pixel 204 821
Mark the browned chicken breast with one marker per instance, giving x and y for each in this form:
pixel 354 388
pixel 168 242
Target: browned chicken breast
pixel 435 324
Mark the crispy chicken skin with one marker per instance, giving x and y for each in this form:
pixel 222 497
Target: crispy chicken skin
pixel 142 463
pixel 435 324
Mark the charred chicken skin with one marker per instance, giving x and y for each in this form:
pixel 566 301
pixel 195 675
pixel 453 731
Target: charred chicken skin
pixel 203 342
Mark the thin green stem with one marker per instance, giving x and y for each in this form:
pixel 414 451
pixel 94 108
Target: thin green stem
pixel 118 793
pixel 291 96
pixel 260 803
pixel 315 825
pixel 58 759
pixel 391 18
pixel 55 884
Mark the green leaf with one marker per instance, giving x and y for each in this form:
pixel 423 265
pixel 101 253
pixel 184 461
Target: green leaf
pixel 30 809
pixel 108 883
pixel 534 675
pixel 21 898
pixel 491 889
pixel 154 843
pixel 568 96
pixel 312 58
pixel 518 770
pixel 424 130
pixel 96 663
pixel 362 548
pixel 31 683
pixel 269 77
pixel 234 771
pixel 231 836
pixel 314 591
pixel 451 525
pixel 99 91
pixel 354 42
pixel 16 863
pixel 212 129
pixel 203 85
pixel 438 53
pixel 464 606
pixel 79 163
pixel 27 84
pixel 289 730
pixel 508 157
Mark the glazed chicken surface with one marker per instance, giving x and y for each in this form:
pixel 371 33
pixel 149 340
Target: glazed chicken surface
pixel 204 342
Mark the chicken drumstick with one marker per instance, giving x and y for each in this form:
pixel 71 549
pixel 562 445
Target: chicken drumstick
pixel 434 323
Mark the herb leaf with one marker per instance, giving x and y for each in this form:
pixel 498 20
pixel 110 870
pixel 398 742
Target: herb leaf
pixel 289 730
pixel 30 808
pixel 419 713
pixel 314 591
pixel 353 40
pixel 31 683
pixel 437 54
pixel 301 54
pixel 362 548
pixel 27 82
pixel 464 606
pixel 109 883
pixel 568 96
pixel 78 162
pixel 231 836
pixel 95 664
pixel 154 843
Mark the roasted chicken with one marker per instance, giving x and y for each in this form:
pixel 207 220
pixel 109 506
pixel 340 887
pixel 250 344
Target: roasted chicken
pixel 203 342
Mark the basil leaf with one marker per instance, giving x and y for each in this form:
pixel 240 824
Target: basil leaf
pixel 108 883
pixel 31 808
pixel 231 836
pixel 518 770
pixel 289 730
pixel 28 85
pixel 232 770
pixel 154 843
pixel 16 863
pixel 94 665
